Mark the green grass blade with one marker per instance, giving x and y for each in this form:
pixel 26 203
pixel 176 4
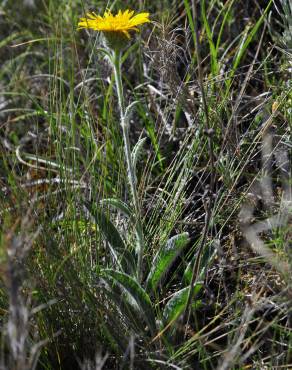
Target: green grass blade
pixel 246 39
pixel 190 19
pixel 224 21
pixel 213 50
pixel 152 132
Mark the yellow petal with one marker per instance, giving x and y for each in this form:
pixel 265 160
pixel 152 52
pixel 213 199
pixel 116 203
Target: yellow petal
pixel 123 21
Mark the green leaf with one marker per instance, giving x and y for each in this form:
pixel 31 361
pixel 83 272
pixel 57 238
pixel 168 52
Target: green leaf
pixel 152 132
pixel 176 305
pixel 164 259
pixel 107 228
pixel 207 258
pixel 6 41
pixel 213 50
pixel 128 308
pixel 113 237
pixel 130 108
pixel 250 36
pixel 228 7
pixel 137 151
pixel 106 52
pixel 137 293
pixel 125 209
pixel 127 261
pixel 190 19
pixel 245 41
pixel 118 204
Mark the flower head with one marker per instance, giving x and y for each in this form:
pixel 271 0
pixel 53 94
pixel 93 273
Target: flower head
pixel 121 23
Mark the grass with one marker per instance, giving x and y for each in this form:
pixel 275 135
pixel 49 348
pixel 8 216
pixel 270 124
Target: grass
pixel 211 143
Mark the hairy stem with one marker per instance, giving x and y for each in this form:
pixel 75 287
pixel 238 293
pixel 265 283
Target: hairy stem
pixel 130 168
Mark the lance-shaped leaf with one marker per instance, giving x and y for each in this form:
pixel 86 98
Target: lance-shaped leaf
pixel 118 204
pixel 107 228
pixel 177 303
pixel 207 258
pixel 129 309
pixel 136 152
pixel 113 237
pixel 164 259
pixel 125 209
pixel 136 292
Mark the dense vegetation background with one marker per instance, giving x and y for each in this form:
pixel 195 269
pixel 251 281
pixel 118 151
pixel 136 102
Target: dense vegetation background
pixel 212 81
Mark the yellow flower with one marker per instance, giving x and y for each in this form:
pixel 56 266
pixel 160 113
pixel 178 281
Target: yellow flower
pixel 119 24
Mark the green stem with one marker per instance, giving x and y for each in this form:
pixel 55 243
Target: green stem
pixel 131 173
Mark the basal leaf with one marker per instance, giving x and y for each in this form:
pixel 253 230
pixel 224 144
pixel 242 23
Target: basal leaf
pixel 125 209
pixel 118 204
pixel 165 258
pixel 113 237
pixel 106 227
pixel 137 293
pixel 207 258
pixel 129 309
pixel 176 305
pixel 137 151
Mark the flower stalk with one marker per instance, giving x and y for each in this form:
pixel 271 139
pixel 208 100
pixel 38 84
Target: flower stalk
pixel 124 121
pixel 116 31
